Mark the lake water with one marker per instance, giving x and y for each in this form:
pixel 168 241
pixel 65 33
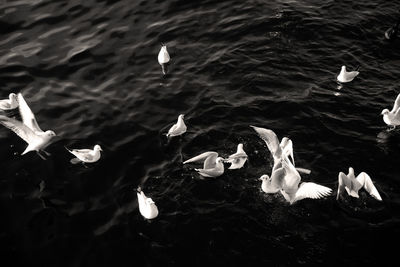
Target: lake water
pixel 89 71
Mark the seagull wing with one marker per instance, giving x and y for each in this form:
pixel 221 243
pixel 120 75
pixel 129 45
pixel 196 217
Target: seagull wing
pixel 204 156
pixel 396 104
pixel 270 139
pixel 27 116
pixel 343 179
pixel 311 190
pixel 366 182
pixel 20 129
pixel 287 147
pixel 173 128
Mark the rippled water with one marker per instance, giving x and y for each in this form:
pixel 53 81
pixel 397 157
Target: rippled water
pixel 89 71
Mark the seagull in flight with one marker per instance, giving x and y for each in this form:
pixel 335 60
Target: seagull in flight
pixel 28 129
pixel 352 184
pixel 238 159
pixel 287 181
pixel 278 150
pixel 213 165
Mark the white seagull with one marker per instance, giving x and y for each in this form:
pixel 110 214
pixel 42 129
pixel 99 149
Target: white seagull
pixel 287 180
pixel 29 130
pixel 213 165
pixel 178 128
pixel 238 159
pixel 86 155
pixel 352 184
pixel 10 103
pixel 392 118
pixel 347 76
pixel 147 207
pixel 163 58
pixel 278 150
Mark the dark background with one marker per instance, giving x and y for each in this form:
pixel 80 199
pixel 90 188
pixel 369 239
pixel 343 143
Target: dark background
pixel 89 71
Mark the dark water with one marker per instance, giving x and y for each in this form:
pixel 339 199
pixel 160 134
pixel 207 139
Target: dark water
pixel 89 71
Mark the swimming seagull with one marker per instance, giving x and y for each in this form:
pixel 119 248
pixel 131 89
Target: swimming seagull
pixel 238 159
pixel 178 128
pixel 163 58
pixel 287 181
pixel 213 165
pixel 392 118
pixel 278 150
pixel 391 33
pixel 10 103
pixel 86 155
pixel 347 76
pixel 147 207
pixel 28 129
pixel 352 184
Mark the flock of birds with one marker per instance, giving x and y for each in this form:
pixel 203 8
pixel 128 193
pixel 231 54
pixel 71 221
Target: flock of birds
pixel 285 177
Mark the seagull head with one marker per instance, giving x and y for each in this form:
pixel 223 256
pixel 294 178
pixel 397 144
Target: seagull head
pixel 181 116
pixel 98 148
pixel 240 146
pixel 50 133
pixel 264 177
pixel 351 171
pixel 149 201
pixel 219 160
pixel 385 111
pixel 13 97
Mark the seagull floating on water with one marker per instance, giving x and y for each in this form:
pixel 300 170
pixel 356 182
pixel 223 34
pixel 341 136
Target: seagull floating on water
pixel 392 118
pixel 287 181
pixel 238 159
pixel 352 184
pixel 213 165
pixel 178 128
pixel 347 76
pixel 163 58
pixel 147 207
pixel 278 150
pixel 86 155
pixel 11 103
pixel 28 129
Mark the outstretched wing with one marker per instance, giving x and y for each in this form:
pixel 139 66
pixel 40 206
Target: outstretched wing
pixel 27 116
pixel 312 190
pixel 270 139
pixel 209 157
pixel 19 128
pixel 287 147
pixel 366 182
pixel 396 104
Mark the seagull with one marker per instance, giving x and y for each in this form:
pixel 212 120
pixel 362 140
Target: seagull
pixel 345 76
pixel 28 129
pixel 10 103
pixel 392 118
pixel 238 159
pixel 391 33
pixel 86 155
pixel 278 150
pixel 213 165
pixel 147 207
pixel 163 58
pixel 287 181
pixel 178 128
pixel 353 184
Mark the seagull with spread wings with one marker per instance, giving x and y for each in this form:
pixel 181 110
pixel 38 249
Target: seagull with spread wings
pixel 213 165
pixel 28 129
